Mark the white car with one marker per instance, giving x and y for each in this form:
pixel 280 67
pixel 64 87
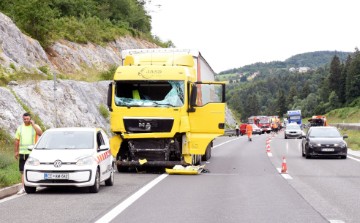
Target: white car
pixel 70 157
pixel 293 130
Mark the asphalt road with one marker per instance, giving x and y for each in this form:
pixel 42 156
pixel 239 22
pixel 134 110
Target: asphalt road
pixel 243 185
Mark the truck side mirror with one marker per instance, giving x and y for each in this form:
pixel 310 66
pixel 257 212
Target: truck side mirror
pixel 109 97
pixel 193 97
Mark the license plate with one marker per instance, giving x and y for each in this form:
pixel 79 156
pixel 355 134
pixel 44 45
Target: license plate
pixel 327 149
pixel 52 176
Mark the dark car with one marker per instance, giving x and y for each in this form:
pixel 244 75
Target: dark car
pixel 324 141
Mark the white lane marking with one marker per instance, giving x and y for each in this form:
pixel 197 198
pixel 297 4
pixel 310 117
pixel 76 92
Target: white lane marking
pixel 269 154
pixel 353 158
pixel 285 175
pixel 225 142
pixel 126 203
pixel 336 221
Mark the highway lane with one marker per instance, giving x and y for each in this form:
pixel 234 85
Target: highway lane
pixel 243 185
pixel 330 185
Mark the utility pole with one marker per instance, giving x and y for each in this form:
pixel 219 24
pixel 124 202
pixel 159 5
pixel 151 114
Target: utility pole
pixel 55 105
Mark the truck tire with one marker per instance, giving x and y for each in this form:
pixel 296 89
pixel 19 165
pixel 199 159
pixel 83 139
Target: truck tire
pixel 122 169
pixel 207 154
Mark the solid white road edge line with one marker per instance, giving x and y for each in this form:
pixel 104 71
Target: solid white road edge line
pixel 353 158
pixel 126 203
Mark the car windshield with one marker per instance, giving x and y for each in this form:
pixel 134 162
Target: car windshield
pixel 293 127
pixel 66 140
pixel 324 133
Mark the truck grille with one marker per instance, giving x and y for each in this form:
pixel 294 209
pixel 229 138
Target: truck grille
pixel 146 125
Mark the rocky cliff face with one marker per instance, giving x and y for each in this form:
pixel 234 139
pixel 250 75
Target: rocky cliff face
pixel 73 103
pixel 18 50
pixel 22 52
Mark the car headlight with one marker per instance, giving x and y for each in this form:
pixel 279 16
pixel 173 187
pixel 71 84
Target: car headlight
pixel 342 144
pixel 86 161
pixel 31 161
pixel 311 144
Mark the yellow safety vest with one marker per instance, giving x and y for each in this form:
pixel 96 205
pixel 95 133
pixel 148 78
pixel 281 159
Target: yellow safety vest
pixel 26 136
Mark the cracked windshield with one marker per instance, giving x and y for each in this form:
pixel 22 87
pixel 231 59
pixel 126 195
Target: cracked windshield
pixel 149 93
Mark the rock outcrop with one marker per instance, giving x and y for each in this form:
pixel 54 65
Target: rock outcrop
pixel 18 51
pixel 73 103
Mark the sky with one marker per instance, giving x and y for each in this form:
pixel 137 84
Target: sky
pixel 233 33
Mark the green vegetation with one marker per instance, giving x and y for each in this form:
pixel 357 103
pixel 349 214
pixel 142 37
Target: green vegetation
pixel 80 21
pixel 21 76
pixel 354 139
pixel 275 89
pixel 108 75
pixel 9 171
pixel 104 111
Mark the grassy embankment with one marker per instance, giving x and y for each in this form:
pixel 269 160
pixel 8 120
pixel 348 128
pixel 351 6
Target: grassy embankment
pixel 347 115
pixel 9 171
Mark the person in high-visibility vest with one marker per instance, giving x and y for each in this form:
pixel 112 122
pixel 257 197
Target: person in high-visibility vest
pixel 249 130
pixel 26 134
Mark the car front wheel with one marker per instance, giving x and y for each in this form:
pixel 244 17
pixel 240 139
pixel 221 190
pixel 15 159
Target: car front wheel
pixel 110 180
pixel 29 190
pixel 96 187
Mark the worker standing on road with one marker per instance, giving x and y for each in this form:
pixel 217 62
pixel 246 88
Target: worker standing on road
pixel 26 134
pixel 249 131
pixel 237 129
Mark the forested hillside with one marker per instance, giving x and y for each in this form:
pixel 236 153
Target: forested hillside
pixel 311 60
pixel 274 89
pixel 80 21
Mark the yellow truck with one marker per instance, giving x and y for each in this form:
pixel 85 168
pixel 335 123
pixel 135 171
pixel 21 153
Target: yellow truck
pixel 165 108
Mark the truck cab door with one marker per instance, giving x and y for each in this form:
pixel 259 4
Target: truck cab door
pixel 207 108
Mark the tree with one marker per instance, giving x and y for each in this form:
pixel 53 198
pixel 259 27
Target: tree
pixel 333 101
pixel 291 95
pixel 281 103
pixel 305 90
pixel 353 78
pixel 343 80
pixel 335 75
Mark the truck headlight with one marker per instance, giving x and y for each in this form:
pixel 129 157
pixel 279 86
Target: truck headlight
pixel 86 161
pixel 31 161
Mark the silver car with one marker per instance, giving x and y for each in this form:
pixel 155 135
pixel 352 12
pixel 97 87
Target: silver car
pixel 293 131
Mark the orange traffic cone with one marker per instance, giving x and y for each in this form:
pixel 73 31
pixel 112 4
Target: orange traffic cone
pixel 284 166
pixel 268 148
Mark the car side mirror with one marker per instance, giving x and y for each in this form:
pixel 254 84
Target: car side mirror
pixel 103 148
pixel 345 136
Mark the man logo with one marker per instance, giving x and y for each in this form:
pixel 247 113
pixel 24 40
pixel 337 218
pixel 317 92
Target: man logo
pixel 57 163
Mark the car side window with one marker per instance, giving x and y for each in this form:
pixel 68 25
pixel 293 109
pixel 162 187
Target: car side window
pixel 99 139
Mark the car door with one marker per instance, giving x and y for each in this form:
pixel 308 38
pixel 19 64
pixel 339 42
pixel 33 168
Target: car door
pixel 103 155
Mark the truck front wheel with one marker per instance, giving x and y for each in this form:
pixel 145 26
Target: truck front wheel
pixel 207 154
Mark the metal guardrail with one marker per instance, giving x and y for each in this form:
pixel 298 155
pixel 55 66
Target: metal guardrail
pixel 352 126
pixel 230 132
